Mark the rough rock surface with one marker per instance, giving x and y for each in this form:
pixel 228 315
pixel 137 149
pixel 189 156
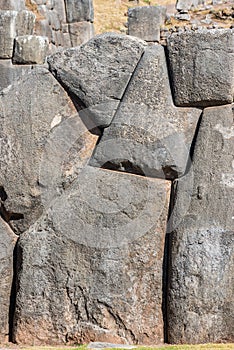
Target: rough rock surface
pixel 98 72
pixel 145 22
pixel 78 11
pixel 202 67
pixel 148 135
pixel 7 244
pixel 9 72
pixel 12 24
pixel 92 267
pixel 30 112
pixel 12 5
pixel 200 300
pixel 30 49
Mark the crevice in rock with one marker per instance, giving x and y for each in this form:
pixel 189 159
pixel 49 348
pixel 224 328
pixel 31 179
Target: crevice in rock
pixel 166 266
pixel 169 74
pixel 12 305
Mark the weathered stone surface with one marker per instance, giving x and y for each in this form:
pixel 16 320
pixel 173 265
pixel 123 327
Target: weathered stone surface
pixel 30 49
pixel 106 233
pixel 9 72
pixel 98 72
pixel 31 112
pixel 148 134
pixel 78 11
pixel 200 300
pixel 12 24
pixel 12 5
pixel 186 5
pixel 144 22
pixel 80 32
pixel 7 244
pixel 202 67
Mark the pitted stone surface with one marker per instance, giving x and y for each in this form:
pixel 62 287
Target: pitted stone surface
pixel 106 233
pixel 202 241
pixel 7 245
pixel 98 72
pixel 202 67
pixel 148 134
pixel 145 22
pixel 31 111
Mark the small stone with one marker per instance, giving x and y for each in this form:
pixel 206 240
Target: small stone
pixel 30 49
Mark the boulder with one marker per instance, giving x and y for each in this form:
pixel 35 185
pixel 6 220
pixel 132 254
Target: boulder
pixel 80 32
pixel 202 67
pixel 78 11
pixel 9 72
pixel 97 73
pixel 30 49
pixel 148 135
pixel 7 245
pixel 145 22
pixel 12 24
pixel 92 265
pixel 32 113
pixel 200 296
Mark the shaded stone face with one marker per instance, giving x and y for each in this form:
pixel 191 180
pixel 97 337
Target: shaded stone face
pixel 98 72
pixel 148 134
pixel 9 72
pixel 30 49
pixel 145 22
pixel 202 238
pixel 31 111
pixel 78 11
pixel 106 233
pixel 7 244
pixel 202 67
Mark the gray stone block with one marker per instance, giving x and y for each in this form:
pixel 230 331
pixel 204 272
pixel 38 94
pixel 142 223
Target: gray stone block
pixel 145 22
pixel 98 72
pixel 80 32
pixel 106 233
pixel 78 11
pixel 30 110
pixel 15 5
pixel 200 299
pixel 202 67
pixel 7 245
pixel 12 24
pixel 10 73
pixel 148 135
pixel 30 49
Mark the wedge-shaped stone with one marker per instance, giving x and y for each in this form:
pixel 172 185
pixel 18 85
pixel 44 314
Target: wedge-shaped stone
pixel 145 22
pixel 148 134
pixel 200 300
pixel 202 67
pixel 106 234
pixel 98 72
pixel 12 24
pixel 7 245
pixel 30 49
pixel 36 144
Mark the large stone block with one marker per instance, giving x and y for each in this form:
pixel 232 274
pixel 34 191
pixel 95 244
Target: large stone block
pixel 202 67
pixel 10 73
pixel 148 135
pixel 80 32
pixel 145 22
pixel 34 112
pixel 200 298
pixel 30 49
pixel 7 245
pixel 106 234
pixel 78 11
pixel 98 72
pixel 12 24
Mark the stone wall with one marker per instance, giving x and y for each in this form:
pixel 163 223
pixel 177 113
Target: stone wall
pixel 116 173
pixel 31 30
